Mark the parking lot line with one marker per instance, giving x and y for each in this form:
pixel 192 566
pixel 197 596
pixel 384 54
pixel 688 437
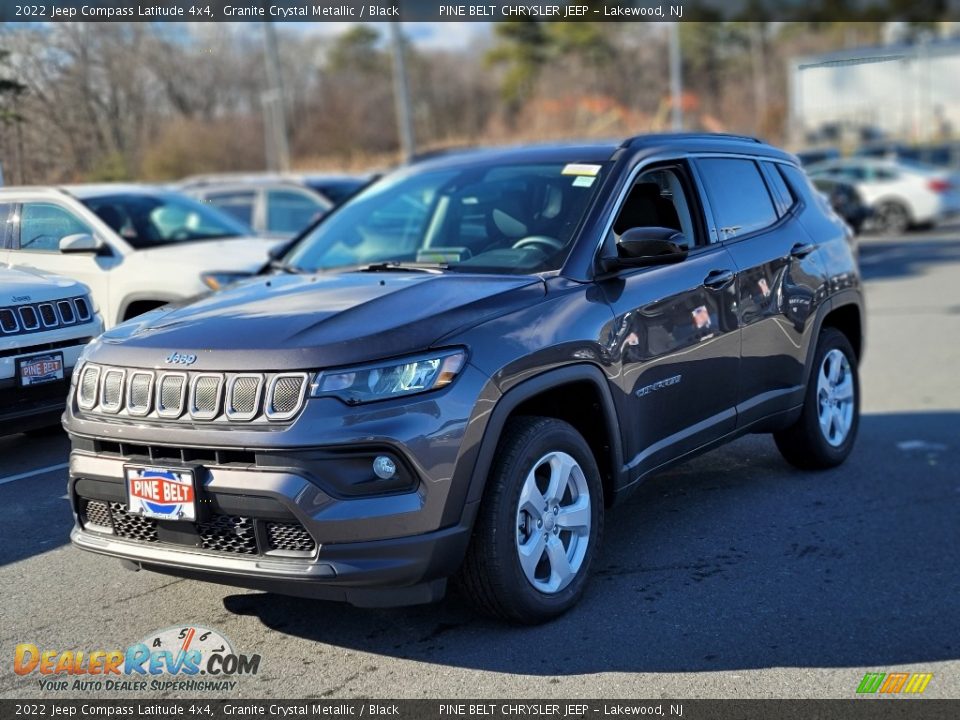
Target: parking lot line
pixel 31 473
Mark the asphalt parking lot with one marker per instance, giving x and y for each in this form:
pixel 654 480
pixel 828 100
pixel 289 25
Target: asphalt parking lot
pixel 730 576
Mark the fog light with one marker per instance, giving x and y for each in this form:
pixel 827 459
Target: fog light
pixel 384 468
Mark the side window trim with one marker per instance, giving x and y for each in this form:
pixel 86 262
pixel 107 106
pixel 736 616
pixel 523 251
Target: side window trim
pixel 694 197
pixel 757 161
pixel 782 204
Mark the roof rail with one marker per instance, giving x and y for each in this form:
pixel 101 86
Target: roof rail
pixel 637 139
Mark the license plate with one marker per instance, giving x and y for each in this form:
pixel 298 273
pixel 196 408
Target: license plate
pixel 40 369
pixel 161 493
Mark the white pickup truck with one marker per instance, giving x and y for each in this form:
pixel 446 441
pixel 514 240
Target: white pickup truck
pixel 45 321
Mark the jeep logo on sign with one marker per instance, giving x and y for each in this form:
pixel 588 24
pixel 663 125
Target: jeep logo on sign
pixel 177 358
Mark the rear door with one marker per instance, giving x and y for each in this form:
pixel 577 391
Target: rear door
pixel 675 333
pixel 778 277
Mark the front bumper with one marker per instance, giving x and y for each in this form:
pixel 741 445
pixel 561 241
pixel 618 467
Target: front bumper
pixel 393 548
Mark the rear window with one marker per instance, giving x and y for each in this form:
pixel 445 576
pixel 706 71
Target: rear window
pixel 739 196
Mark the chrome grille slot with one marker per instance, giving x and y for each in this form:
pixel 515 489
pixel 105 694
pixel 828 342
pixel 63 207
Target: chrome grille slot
pixel 243 396
pixel 83 309
pixel 171 393
pixel 28 317
pixel 48 315
pixel 285 395
pixel 8 321
pixel 67 316
pixel 140 392
pixel 111 390
pixel 89 385
pixel 205 396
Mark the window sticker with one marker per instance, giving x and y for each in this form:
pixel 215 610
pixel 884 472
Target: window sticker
pixel 580 169
pixel 583 181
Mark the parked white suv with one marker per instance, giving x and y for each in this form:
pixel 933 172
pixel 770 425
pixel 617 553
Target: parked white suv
pixel 136 247
pixel 900 193
pixel 45 321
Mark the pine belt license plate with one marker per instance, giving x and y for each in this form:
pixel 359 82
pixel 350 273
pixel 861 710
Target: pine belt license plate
pixel 161 493
pixel 40 369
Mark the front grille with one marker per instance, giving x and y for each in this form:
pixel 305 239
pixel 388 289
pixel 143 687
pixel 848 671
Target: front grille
pixel 205 404
pixel 8 321
pixel 65 307
pixel 97 512
pixel 112 393
pixel 229 534
pixel 286 395
pixel 131 526
pixel 29 319
pixel 37 317
pixel 185 395
pixel 139 392
pixel 48 315
pixel 289 536
pixel 83 309
pixel 89 383
pixel 170 395
pixel 221 533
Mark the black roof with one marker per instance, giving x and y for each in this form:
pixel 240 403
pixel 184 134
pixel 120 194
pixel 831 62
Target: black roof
pixel 601 151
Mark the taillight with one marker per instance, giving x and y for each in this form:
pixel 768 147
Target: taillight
pixel 939 185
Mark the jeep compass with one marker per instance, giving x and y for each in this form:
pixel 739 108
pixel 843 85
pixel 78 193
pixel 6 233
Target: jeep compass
pixel 456 373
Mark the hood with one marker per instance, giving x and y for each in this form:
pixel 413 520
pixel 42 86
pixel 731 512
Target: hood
pixel 20 285
pixel 234 255
pixel 315 321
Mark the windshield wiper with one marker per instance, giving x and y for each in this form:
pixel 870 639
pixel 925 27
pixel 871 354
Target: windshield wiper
pixel 395 266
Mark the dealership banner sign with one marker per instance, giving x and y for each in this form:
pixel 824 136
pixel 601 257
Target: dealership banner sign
pixel 460 11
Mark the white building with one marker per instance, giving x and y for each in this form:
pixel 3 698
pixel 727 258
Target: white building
pixel 910 92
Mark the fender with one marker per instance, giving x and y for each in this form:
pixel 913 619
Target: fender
pixel 510 400
pixel 841 299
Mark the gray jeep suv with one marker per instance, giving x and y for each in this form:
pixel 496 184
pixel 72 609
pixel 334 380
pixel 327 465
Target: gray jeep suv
pixel 456 373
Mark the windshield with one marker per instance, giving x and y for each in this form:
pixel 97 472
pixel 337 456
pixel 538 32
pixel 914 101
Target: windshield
pixel 501 219
pixel 147 221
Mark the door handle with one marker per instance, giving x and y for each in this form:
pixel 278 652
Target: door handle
pixel 801 250
pixel 718 279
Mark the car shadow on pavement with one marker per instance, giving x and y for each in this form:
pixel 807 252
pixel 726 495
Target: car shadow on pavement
pixel 732 560
pixel 893 260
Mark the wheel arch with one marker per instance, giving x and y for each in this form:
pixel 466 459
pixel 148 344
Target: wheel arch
pixel 549 394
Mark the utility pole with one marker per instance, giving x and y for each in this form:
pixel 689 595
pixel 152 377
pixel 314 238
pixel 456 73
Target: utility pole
pixel 274 105
pixel 676 79
pixel 401 95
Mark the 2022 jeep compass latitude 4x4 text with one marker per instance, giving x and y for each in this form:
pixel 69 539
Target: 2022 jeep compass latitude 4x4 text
pixel 455 374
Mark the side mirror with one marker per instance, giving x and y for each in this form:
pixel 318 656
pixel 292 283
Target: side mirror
pixel 645 246
pixel 80 243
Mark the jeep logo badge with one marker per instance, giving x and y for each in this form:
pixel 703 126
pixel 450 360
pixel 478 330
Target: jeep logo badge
pixel 177 358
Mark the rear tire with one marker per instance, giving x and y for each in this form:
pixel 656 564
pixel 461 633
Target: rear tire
pixel 892 218
pixel 539 525
pixel 826 430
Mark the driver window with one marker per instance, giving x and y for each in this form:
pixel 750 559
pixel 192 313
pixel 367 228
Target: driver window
pixel 657 199
pixel 43 225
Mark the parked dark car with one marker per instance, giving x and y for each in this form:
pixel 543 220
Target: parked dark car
pixel 846 201
pixel 462 369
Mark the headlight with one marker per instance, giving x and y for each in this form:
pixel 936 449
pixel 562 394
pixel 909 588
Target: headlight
pixel 389 379
pixel 219 280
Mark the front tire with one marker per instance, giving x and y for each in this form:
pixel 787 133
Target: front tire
pixel 824 434
pixel 539 525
